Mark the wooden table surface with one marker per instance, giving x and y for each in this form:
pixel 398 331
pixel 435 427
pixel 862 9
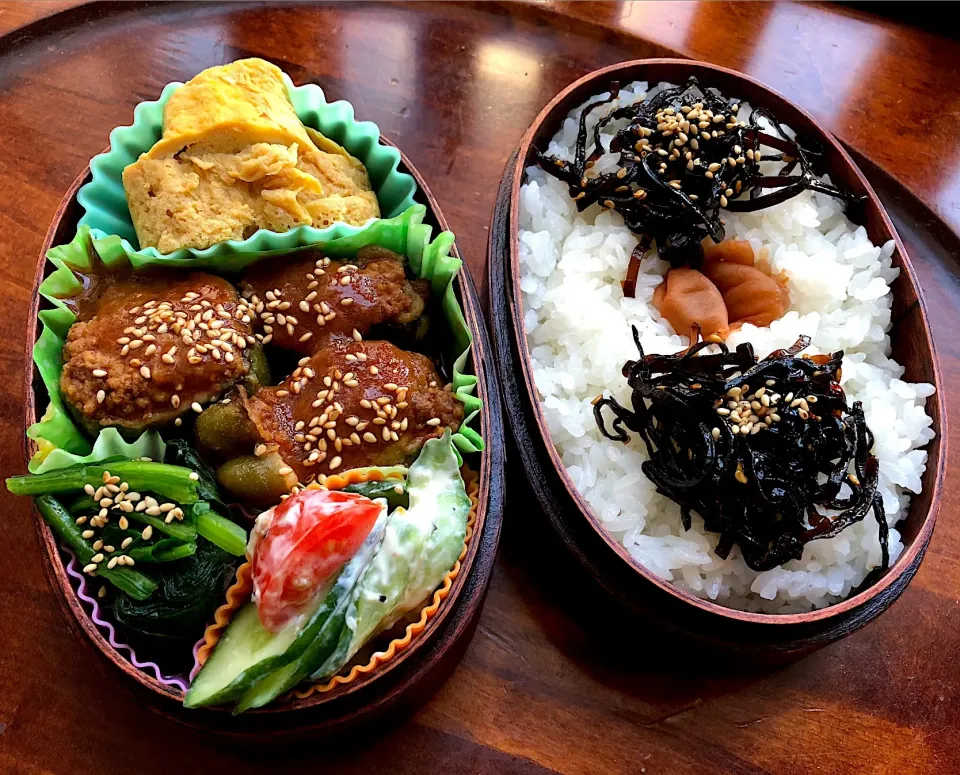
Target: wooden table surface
pixel 549 684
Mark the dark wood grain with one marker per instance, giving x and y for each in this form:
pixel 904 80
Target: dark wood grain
pixel 552 681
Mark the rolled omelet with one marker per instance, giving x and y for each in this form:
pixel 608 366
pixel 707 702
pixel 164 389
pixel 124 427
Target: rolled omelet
pixel 234 158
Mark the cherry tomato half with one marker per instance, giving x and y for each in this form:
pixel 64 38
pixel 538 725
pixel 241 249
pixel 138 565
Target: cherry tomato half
pixel 301 545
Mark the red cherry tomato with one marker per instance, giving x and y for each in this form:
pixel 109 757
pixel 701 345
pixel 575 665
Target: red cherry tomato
pixel 301 545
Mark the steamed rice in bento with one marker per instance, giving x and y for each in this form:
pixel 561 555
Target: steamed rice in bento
pixel 578 324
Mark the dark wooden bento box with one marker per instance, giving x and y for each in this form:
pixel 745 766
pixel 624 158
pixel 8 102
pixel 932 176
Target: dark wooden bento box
pixel 398 685
pixel 754 637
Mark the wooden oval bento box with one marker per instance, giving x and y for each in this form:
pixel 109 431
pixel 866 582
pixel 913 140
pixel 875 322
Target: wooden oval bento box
pixel 402 682
pixel 753 637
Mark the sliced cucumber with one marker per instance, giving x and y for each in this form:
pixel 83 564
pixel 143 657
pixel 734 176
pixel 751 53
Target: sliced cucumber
pixel 393 491
pixel 290 674
pixel 421 544
pixel 338 602
pixel 247 651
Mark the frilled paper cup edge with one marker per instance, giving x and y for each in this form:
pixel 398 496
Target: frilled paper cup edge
pixel 239 593
pixel 104 191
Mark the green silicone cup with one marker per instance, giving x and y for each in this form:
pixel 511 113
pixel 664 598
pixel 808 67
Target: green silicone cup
pixel 105 203
pixel 61 443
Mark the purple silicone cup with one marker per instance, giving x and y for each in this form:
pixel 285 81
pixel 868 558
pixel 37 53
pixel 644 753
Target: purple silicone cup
pixel 92 608
pixel 196 665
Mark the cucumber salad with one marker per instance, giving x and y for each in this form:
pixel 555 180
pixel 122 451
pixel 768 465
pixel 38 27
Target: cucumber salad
pixel 332 569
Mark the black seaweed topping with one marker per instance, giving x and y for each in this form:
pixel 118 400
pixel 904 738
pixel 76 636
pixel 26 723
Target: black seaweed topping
pixel 805 473
pixel 675 174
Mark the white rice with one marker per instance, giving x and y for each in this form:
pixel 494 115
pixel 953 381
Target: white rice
pixel 578 331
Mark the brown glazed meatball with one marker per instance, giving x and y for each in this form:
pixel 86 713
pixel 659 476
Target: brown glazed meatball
pixel 354 403
pixel 308 298
pixel 146 348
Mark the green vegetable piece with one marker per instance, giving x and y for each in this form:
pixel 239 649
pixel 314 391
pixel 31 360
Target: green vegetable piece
pixel 219 530
pixel 336 604
pixel 256 480
pixel 82 504
pixel 385 488
pixel 172 482
pixel 225 431
pixel 259 373
pixel 189 591
pixel 246 652
pixel 339 656
pixel 153 551
pixel 127 580
pixel 420 545
pixel 182 531
pixel 436 487
pixel 164 550
pixel 180 453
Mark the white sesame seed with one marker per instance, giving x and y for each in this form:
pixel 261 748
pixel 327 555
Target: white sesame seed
pixel 196 407
pixel 147 533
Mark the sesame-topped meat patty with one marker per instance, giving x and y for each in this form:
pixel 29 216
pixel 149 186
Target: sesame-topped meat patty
pixel 355 403
pixel 303 300
pixel 147 348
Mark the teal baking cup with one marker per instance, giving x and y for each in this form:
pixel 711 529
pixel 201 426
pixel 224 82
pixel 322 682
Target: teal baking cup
pixel 59 439
pixel 105 203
